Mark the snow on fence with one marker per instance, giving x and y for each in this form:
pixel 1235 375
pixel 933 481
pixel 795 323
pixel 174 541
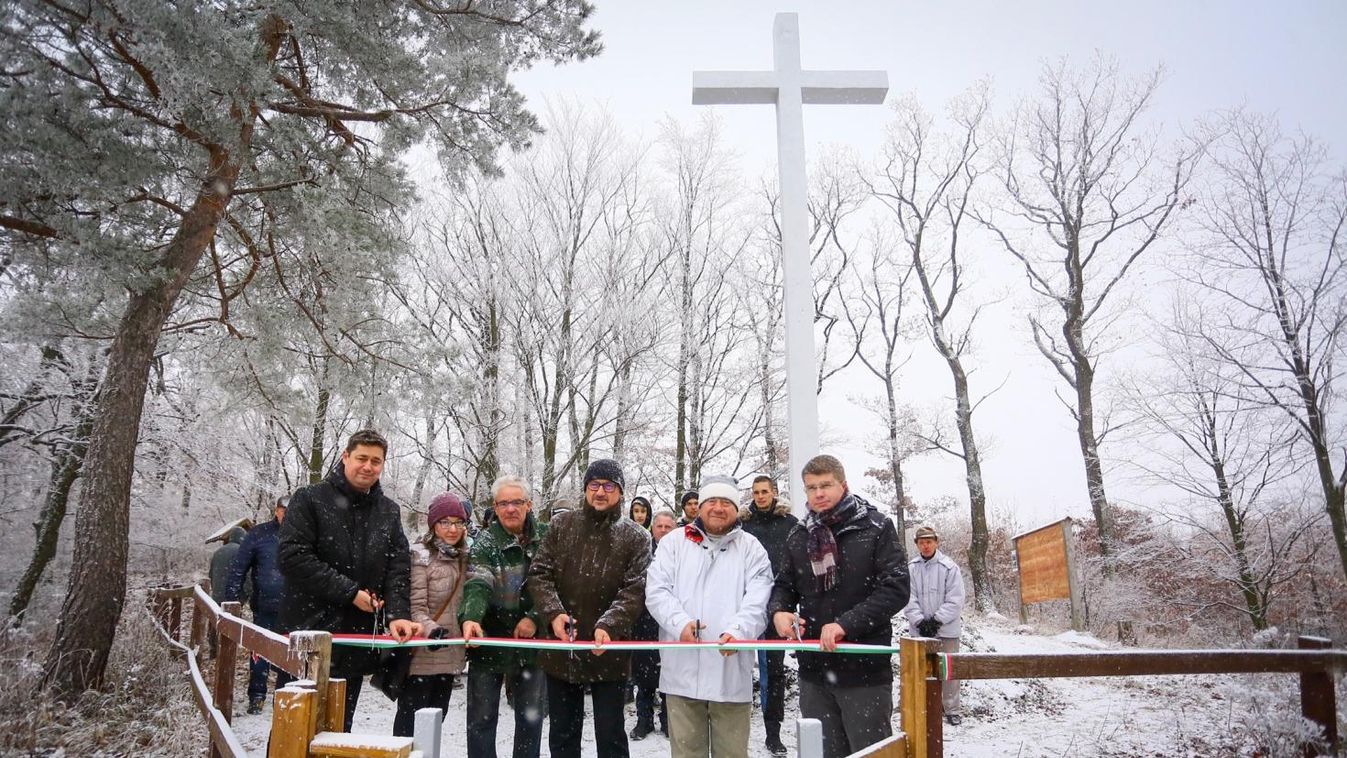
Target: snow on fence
pixel 308 716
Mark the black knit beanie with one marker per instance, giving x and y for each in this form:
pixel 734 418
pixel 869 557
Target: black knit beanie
pixel 605 468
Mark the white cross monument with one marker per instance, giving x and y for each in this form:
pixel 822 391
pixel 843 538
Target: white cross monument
pixel 789 88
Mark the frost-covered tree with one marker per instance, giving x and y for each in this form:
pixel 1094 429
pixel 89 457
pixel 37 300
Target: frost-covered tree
pixel 135 132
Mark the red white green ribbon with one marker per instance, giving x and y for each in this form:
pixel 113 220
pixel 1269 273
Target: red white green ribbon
pixel 386 641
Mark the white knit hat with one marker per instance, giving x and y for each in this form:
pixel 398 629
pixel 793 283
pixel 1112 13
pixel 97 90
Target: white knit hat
pixel 719 486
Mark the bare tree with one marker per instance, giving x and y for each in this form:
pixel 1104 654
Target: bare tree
pixel 1087 194
pixel 1219 448
pixel 927 183
pixel 1273 257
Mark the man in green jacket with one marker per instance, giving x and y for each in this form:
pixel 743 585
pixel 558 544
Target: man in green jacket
pixel 496 605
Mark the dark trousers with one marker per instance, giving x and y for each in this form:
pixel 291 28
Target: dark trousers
pixel 527 684
pixel 352 664
pixel 566 709
pixel 772 685
pixel 853 717
pixel 419 692
pixel 645 675
pixel 259 667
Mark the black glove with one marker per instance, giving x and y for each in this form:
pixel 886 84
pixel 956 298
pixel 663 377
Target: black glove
pixel 438 633
pixel 928 627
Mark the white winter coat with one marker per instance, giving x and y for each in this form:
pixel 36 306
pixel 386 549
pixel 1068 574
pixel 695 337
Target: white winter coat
pixel 937 590
pixel 726 588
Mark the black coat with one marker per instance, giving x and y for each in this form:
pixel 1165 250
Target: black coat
pixel 771 527
pixel 872 587
pixel 258 555
pixel 334 542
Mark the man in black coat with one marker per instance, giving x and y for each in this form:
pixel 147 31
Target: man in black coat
pixel 346 561
pixel 771 522
pixel 846 572
pixel 257 557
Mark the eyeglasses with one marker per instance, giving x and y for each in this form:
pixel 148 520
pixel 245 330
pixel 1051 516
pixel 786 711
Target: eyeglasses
pixel 518 503
pixel 450 524
pixel 595 486
pixel 812 488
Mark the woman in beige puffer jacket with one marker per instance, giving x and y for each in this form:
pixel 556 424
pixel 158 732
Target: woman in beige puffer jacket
pixel 439 569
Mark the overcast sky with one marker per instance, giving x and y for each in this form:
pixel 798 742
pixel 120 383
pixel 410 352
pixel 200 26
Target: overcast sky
pixel 1287 58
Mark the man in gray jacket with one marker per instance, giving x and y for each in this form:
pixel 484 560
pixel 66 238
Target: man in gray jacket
pixel 936 605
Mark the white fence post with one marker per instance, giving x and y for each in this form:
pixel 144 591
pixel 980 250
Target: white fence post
pixel 808 738
pixel 426 732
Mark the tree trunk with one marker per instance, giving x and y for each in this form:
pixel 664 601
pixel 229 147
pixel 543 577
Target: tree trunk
pixel 984 598
pixel 319 428
pixel 97 589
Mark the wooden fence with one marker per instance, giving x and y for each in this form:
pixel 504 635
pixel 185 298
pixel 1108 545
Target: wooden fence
pixel 924 668
pixel 307 716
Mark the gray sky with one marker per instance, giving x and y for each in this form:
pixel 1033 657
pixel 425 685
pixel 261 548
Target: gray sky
pixel 1284 58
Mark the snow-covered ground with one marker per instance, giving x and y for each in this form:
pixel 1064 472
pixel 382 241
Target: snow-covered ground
pixel 1047 717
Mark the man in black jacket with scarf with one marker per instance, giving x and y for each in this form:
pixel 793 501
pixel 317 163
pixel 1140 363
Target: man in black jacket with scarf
pixel 846 572
pixel 346 561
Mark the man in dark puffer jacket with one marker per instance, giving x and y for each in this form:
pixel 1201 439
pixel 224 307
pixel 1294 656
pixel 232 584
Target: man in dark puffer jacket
pixel 345 557
pixel 258 556
pixel 847 574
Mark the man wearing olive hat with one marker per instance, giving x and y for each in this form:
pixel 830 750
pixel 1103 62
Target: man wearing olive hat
pixel 588 583
pixel 935 605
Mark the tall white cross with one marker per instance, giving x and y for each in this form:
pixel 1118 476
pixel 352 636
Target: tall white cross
pixel 789 88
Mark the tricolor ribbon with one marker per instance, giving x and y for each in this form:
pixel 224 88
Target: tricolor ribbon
pixel 386 641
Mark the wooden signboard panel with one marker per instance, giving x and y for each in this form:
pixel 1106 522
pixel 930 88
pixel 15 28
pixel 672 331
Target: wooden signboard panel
pixel 1043 564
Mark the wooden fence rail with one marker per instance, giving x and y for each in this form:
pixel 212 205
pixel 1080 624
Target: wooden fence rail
pixel 308 715
pixel 924 668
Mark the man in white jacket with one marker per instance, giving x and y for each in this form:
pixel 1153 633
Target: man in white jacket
pixel 709 581
pixel 936 605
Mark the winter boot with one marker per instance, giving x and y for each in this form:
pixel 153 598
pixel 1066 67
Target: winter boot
pixel 642 730
pixel 774 744
pixel 255 705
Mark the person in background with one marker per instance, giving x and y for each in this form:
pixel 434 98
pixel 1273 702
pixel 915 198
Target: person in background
pixel 688 505
pixel 645 663
pixel 770 521
pixel 640 512
pixel 345 558
pixel 709 582
pixel 439 568
pixel 220 561
pixel 846 573
pixel 588 583
pixel 496 605
pixel 936 606
pixel 257 559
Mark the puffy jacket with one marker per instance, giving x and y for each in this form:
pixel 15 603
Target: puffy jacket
pixel 433 577
pixel 257 556
pixel 592 566
pixel 334 542
pixel 723 585
pixel 494 594
pixel 937 590
pixel 871 588
pixel 771 527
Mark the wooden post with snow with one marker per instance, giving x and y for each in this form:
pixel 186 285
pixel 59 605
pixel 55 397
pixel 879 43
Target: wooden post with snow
pixel 293 713
pixel 226 660
pixel 1318 696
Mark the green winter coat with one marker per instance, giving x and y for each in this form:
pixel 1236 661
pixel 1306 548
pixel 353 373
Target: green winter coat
pixel 494 594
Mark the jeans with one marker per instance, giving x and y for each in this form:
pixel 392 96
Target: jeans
pixel 566 709
pixel 419 692
pixel 259 667
pixel 484 686
pixel 645 674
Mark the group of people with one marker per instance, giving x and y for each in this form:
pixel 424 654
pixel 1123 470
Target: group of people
pixel 599 574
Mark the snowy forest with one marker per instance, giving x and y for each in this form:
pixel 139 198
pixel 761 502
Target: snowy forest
pixel 229 239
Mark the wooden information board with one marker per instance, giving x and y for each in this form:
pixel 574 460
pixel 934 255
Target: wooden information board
pixel 1046 567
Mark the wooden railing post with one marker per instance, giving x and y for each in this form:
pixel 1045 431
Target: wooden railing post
pixel 199 621
pixel 159 600
pixel 226 661
pixel 292 721
pixel 912 700
pixel 1318 698
pixel 315 648
pixel 175 619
